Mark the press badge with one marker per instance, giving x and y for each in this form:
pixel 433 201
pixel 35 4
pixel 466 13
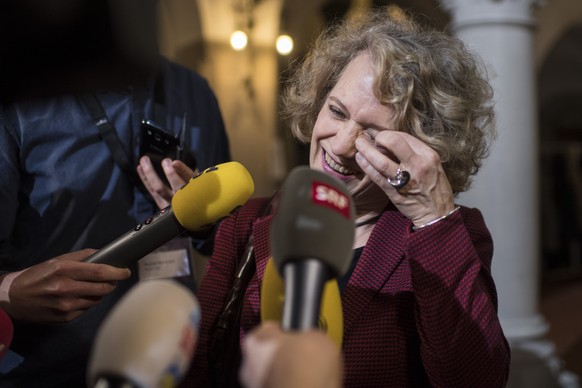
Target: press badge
pixel 172 260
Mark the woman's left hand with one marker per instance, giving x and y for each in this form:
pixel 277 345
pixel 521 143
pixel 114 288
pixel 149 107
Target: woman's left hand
pixel 177 173
pixel 428 194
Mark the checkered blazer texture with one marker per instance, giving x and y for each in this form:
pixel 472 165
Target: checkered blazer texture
pixel 420 309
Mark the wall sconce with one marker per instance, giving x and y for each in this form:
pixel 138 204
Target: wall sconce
pixel 243 11
pixel 284 44
pixel 238 40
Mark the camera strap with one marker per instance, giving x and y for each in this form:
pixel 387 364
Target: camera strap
pixel 110 137
pixel 224 351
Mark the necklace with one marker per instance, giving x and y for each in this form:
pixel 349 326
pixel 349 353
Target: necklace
pixel 368 221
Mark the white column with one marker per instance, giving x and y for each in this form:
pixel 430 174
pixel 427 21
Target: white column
pixel 506 189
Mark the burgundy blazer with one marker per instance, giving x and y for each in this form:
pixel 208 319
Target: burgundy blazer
pixel 420 308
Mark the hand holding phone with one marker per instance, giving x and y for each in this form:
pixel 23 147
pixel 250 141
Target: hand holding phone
pixel 158 143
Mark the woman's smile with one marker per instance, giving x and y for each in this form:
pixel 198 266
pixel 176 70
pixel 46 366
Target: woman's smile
pixel 336 167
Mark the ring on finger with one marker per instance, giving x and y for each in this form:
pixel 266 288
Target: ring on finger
pixel 399 180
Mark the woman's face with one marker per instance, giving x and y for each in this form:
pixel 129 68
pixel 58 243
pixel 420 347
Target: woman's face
pixel 351 110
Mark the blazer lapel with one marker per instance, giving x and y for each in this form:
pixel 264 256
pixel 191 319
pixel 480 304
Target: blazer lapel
pixel 378 261
pixel 262 236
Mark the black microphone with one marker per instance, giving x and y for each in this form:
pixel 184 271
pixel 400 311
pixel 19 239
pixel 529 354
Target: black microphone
pixel 148 339
pixel 312 237
pixel 204 200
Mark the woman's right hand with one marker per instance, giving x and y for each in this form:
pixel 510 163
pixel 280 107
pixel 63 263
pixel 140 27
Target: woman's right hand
pixel 61 289
pixel 428 194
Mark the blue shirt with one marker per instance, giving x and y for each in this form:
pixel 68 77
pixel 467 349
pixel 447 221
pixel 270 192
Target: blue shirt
pixel 61 191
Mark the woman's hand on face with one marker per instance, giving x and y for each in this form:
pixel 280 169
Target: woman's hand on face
pixel 176 172
pixel 428 194
pixel 60 289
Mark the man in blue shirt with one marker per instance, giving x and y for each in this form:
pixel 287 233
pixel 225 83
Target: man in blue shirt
pixel 62 190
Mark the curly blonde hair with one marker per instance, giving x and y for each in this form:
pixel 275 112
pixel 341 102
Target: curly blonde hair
pixel 434 84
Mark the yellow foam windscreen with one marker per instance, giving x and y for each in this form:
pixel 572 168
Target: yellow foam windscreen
pixel 212 195
pixel 331 319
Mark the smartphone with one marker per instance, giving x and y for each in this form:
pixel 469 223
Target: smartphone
pixel 158 143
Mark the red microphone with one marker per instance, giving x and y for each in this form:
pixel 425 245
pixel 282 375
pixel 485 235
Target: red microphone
pixel 6 332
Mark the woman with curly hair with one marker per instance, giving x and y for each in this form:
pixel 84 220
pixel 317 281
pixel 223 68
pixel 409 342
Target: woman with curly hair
pixel 404 117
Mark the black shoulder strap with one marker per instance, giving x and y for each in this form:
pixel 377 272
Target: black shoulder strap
pixel 109 136
pixel 106 129
pixel 224 354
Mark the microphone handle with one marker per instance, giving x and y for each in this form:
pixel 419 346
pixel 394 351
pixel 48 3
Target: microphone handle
pixel 304 282
pixel 142 240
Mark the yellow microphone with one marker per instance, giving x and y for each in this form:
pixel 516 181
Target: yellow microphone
pixel 331 319
pixel 212 195
pixel 204 200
